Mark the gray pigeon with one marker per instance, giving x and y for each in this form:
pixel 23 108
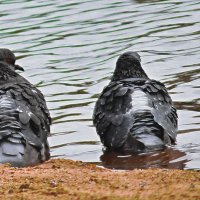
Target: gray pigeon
pixel 24 117
pixel 134 113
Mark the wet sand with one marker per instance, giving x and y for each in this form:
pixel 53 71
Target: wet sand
pixel 66 179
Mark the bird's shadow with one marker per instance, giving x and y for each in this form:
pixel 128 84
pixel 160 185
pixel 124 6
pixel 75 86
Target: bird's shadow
pixel 168 158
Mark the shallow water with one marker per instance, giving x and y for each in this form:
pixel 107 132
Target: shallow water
pixel 69 50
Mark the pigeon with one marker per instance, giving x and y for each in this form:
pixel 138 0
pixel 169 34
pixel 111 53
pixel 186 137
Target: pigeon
pixel 134 113
pixel 24 117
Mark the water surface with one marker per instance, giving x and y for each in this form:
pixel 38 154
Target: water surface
pixel 69 50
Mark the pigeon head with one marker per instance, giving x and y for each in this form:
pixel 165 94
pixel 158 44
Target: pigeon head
pixel 128 66
pixel 8 57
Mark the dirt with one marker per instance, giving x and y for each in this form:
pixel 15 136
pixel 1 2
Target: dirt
pixel 66 179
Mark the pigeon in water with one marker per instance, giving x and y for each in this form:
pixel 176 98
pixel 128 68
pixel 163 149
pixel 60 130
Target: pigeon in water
pixel 134 113
pixel 24 117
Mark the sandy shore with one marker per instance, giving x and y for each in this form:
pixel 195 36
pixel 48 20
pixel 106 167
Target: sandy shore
pixel 66 179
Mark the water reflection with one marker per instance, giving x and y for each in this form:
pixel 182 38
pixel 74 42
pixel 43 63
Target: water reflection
pixel 168 158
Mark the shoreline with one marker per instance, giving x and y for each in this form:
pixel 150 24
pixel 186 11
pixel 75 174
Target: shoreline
pixel 67 179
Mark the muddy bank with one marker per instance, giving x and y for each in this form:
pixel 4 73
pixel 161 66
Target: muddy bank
pixel 66 179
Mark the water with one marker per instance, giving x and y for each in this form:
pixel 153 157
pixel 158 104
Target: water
pixel 69 50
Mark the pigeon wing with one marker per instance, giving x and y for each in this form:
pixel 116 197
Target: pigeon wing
pixel 162 107
pixel 109 116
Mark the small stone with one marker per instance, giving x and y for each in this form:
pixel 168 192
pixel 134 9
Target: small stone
pixel 24 186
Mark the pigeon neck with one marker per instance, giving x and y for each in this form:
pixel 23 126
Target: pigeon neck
pixel 122 72
pixel 6 71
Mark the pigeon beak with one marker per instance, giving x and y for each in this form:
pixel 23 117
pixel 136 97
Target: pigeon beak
pixel 17 67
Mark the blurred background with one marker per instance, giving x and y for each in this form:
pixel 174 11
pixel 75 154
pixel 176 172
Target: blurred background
pixel 69 50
